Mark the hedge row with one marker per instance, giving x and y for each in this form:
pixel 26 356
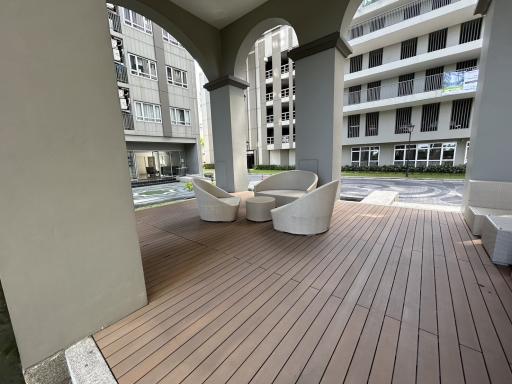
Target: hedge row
pixel 209 166
pixel 445 168
pixel 275 167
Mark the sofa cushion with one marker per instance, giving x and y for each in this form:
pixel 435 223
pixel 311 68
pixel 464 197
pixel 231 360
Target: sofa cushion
pixel 282 196
pixel 233 201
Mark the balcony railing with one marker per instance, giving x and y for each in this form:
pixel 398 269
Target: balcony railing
pixel 121 73
pixel 127 121
pixel 270 118
pixel 398 89
pixel 268 74
pixel 114 21
pixel 395 16
pixel 270 140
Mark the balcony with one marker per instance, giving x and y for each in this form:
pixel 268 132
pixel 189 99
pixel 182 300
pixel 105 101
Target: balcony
pixel 395 16
pixel 270 119
pixel 414 19
pixel 127 121
pixel 270 140
pixel 268 74
pixel 285 68
pixel 121 73
pixel 269 96
pixel 390 96
pixel 114 21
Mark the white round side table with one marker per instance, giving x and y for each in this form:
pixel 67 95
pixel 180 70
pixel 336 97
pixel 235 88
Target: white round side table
pixel 258 208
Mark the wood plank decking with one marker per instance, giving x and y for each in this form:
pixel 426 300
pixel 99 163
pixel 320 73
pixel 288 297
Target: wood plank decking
pixel 387 295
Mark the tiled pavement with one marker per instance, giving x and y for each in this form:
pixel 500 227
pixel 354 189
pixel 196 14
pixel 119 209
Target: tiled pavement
pixel 435 192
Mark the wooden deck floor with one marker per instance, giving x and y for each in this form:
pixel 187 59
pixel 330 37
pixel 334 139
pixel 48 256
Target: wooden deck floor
pixel 387 295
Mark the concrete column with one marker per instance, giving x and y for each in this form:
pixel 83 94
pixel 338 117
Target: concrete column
pixel 319 105
pixel 229 129
pixel 69 254
pixel 491 133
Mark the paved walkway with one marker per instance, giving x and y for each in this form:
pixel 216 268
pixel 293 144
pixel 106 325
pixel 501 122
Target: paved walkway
pixel 434 192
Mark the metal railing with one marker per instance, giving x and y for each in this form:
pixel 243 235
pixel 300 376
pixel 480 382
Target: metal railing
pixel 121 73
pixel 285 116
pixel 127 121
pixel 270 140
pixel 395 16
pixel 398 89
pixel 268 74
pixel 269 96
pixel 285 68
pixel 270 118
pixel 285 92
pixel 114 21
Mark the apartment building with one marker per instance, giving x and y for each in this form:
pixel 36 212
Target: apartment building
pixel 414 67
pixel 156 82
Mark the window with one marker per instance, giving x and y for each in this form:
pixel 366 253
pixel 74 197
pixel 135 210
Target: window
pixel 403 119
pixel 373 91
pixel 364 156
pixel 408 48
pixel 177 77
pixel 354 94
pixel 434 79
pixel 467 65
pixel 148 112
pixel 440 3
pixel 353 125
pixel 461 113
pixel 141 66
pixel 372 124
pixel 424 155
pixel 412 10
pixel 356 63
pixel 377 23
pixel 137 21
pixel 437 40
pixel 375 58
pixel 470 31
pixel 180 116
pixel 356 31
pixel 429 117
pixel 406 84
pixel 169 38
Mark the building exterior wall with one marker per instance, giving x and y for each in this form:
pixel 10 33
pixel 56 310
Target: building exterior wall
pixel 162 135
pixel 274 44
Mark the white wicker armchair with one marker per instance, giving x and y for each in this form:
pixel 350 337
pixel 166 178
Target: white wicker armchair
pixel 287 186
pixel 309 215
pixel 214 203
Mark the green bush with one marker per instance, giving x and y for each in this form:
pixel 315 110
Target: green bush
pixel 189 187
pixel 445 168
pixel 209 166
pixel 274 167
pixel 209 175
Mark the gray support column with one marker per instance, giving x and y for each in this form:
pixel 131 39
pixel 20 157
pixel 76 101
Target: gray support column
pixel 491 131
pixel 229 129
pixel 163 87
pixel 69 254
pixel 319 106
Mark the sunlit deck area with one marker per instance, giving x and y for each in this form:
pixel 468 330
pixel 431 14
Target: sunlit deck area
pixel 387 295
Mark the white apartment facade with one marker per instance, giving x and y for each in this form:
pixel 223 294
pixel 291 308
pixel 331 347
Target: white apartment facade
pixel 156 82
pixel 397 78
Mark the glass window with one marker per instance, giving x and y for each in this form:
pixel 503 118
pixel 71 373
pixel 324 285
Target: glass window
pixel 140 66
pixel 362 156
pixel 137 21
pixel 177 77
pixel 180 116
pixel 148 112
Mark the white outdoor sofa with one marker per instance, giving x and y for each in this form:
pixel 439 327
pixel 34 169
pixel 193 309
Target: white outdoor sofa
pixel 486 198
pixel 287 187
pixel 309 215
pixel 214 203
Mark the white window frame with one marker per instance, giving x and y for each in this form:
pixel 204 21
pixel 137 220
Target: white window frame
pixel 130 19
pixel 466 153
pixel 445 146
pixel 139 61
pixel 168 38
pixel 187 116
pixel 369 150
pixel 172 78
pixel 141 114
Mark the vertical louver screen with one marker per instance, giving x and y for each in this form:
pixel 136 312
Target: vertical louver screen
pixel 356 63
pixel 403 119
pixel 372 124
pixel 437 40
pixel 430 117
pixel 409 48
pixel 375 58
pixel 353 125
pixel 461 113
pixel 470 31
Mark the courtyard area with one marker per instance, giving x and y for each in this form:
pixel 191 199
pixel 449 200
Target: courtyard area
pixel 432 192
pixel 387 294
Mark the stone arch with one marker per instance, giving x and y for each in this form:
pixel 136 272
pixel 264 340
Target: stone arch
pixel 350 11
pixel 200 39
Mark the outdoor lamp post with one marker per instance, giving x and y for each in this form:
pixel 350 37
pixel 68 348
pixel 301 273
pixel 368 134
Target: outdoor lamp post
pixel 407 129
